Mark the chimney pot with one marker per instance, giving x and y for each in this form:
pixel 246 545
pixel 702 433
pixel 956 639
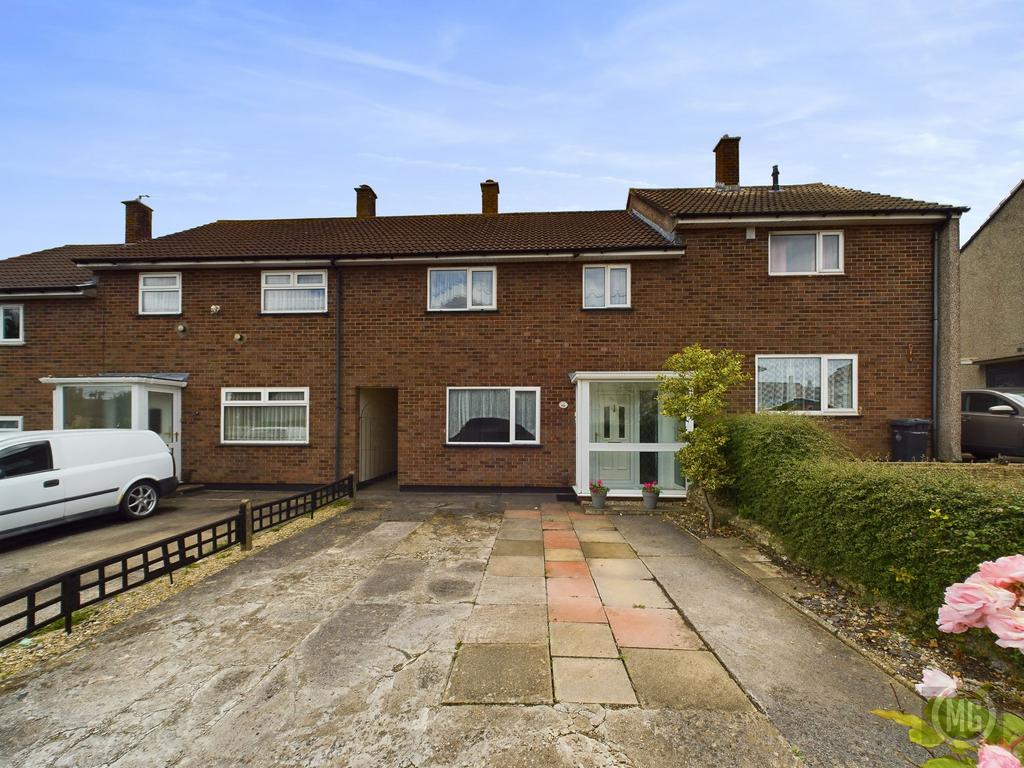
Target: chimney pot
pixel 727 161
pixel 138 220
pixel 489 197
pixel 775 178
pixel 366 202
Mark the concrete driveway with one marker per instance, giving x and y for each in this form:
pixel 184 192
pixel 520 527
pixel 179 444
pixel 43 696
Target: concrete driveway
pixel 431 630
pixel 32 557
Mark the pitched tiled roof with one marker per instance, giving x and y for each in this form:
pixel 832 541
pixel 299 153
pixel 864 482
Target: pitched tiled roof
pixel 49 269
pixel 790 199
pixel 399 236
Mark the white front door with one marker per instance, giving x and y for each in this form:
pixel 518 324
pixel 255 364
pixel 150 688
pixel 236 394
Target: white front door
pixel 163 416
pixel 613 420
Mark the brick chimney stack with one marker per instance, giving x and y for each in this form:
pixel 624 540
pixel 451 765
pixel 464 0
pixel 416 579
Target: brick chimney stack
pixel 727 161
pixel 138 220
pixel 489 197
pixel 366 202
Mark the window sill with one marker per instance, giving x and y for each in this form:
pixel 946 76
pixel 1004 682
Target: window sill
pixel 265 443
pixel 482 310
pixel 806 274
pixel 820 414
pixel 606 309
pixel 320 313
pixel 12 343
pixel 158 314
pixel 493 445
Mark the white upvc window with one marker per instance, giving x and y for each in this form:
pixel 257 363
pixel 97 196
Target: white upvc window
pixel 12 324
pixel 493 415
pixel 805 253
pixel 264 415
pixel 12 423
pixel 160 293
pixel 294 291
pixel 462 289
pixel 809 384
pixel 606 286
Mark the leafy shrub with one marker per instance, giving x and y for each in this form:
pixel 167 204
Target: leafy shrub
pixel 901 532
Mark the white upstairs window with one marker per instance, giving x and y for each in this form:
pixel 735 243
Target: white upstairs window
pixel 294 292
pixel 606 286
pixel 160 294
pixel 805 253
pixel 454 289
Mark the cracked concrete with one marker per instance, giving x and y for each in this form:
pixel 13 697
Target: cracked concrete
pixel 334 648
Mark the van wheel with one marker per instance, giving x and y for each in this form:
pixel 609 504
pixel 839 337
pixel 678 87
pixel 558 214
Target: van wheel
pixel 140 500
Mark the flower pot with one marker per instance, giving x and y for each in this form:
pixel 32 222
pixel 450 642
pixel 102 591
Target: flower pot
pixel 597 500
pixel 650 500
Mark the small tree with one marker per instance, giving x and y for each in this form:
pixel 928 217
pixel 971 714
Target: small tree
pixel 697 390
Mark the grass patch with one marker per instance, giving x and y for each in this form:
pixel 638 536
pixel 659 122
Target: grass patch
pixel 76 618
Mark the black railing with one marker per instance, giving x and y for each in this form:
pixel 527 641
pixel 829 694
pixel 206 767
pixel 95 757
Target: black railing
pixel 32 608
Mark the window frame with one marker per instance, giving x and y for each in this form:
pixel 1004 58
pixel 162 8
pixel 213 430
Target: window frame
pixel 607 285
pixel 512 417
pixel 292 286
pixel 143 290
pixel 21 324
pixel 825 410
pixel 818 252
pixel 469 291
pixel 19 420
pixel 263 402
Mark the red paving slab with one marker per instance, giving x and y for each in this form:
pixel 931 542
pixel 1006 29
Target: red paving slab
pixel 559 589
pixel 560 540
pixel 555 569
pixel 575 515
pixel 522 514
pixel 651 628
pixel 556 525
pixel 586 610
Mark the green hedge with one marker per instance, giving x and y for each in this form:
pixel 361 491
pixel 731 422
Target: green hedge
pixel 869 522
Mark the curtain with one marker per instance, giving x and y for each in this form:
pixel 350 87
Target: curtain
pixel 159 301
pixel 618 283
pixel 265 423
pixel 526 415
pixel 483 289
pixel 789 384
pixel 11 323
pixel 840 383
pixel 793 253
pixel 593 286
pixel 448 289
pixel 830 251
pixel 294 299
pixel 478 416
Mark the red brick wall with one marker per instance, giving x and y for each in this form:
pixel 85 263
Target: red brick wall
pixel 718 294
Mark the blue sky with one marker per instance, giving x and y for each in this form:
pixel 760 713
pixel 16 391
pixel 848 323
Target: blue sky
pixel 278 109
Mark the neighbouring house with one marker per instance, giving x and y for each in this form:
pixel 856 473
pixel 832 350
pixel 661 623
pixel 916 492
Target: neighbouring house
pixel 992 302
pixel 491 349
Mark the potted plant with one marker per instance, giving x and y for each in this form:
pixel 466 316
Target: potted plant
pixel 650 493
pixel 598 494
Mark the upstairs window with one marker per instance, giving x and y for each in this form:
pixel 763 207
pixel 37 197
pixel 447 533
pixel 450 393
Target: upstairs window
pixel 606 287
pixel 160 294
pixel 293 292
pixel 12 326
pixel 814 384
pixel 461 290
pixel 805 253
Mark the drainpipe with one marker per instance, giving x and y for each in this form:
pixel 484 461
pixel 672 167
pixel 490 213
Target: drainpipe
pixel 935 341
pixel 337 370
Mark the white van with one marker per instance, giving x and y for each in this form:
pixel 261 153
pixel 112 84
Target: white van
pixel 47 478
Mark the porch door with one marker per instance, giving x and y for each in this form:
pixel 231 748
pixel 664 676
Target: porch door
pixel 163 416
pixel 613 420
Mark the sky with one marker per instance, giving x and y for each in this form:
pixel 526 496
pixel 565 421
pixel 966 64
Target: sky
pixel 231 110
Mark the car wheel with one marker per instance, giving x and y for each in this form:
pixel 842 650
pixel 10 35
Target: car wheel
pixel 140 500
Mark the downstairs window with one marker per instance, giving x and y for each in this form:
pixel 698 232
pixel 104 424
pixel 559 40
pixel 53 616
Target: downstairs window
pixel 265 416
pixel 494 415
pixel 813 384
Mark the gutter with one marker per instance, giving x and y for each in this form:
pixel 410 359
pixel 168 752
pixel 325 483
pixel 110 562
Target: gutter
pixel 337 371
pixel 783 218
pixel 935 338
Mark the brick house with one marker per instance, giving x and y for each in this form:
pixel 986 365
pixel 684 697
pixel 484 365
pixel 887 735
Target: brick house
pixel 491 349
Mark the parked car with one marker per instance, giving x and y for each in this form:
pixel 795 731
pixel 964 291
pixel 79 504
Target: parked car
pixel 48 478
pixel 992 422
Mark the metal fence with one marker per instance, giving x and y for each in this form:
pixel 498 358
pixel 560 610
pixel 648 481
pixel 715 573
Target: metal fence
pixel 31 608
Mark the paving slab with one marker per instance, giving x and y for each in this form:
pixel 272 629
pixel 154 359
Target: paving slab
pixel 509 624
pixel 515 565
pixel 604 549
pixel 666 679
pixel 582 639
pixel 500 674
pixel 564 554
pixel 522 514
pixel 592 681
pixel 734 546
pixel 577 609
pixel 618 568
pixel 651 628
pixel 792 587
pixel 560 540
pixel 556 525
pixel 562 588
pixel 566 569
pixel 613 537
pixel 631 593
pixel 591 523
pixel 508 548
pixel 654 536
pixel 520 534
pixel 512 590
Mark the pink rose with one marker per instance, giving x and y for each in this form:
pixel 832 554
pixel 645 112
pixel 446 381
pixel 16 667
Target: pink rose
pixel 1008 626
pixel 991 756
pixel 1004 572
pixel 952 621
pixel 975 598
pixel 936 684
